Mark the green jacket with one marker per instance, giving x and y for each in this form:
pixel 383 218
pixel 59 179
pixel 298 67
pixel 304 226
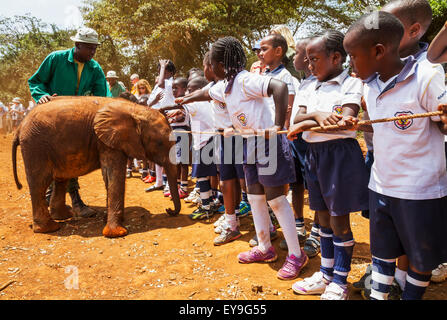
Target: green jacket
pixel 58 74
pixel 117 89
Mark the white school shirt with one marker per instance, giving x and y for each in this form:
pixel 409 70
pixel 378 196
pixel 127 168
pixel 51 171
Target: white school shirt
pixel 168 97
pixel 409 156
pixel 221 116
pixel 300 89
pixel 281 74
pixel 331 96
pixel 201 115
pixel 18 108
pixel 246 103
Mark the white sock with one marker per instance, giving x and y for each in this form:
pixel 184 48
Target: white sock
pixel 158 175
pixel 400 276
pixel 284 213
pixel 231 219
pixel 261 220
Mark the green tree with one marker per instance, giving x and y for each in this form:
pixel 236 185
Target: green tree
pixel 439 18
pixel 140 32
pixel 25 41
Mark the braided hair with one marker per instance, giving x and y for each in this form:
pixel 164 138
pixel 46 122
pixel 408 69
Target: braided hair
pixel 229 51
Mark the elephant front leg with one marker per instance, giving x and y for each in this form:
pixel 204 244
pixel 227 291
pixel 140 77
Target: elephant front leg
pixel 58 209
pixel 114 174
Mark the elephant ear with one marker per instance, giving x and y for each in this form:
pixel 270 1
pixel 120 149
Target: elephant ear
pixel 117 127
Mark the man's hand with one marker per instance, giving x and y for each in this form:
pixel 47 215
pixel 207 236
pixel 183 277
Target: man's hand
pixel 46 99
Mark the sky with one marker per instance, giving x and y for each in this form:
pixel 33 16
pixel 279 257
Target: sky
pixel 63 13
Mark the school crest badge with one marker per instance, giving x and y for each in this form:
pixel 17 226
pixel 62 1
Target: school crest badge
pixel 337 109
pixel 403 124
pixel 242 119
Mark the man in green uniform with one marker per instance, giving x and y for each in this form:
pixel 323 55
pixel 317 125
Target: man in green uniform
pixel 71 72
pixel 116 87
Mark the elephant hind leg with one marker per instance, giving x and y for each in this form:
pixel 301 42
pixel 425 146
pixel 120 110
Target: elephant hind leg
pixel 58 209
pixel 42 221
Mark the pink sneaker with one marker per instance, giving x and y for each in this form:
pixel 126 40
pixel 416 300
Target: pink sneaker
pixel 256 255
pixel 292 267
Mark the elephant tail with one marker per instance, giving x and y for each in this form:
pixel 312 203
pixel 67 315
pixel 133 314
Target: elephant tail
pixel 15 144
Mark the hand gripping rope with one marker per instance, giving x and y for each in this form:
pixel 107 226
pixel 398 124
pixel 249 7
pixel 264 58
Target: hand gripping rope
pixel 328 128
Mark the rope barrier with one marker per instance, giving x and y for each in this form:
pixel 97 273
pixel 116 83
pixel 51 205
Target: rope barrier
pixel 331 127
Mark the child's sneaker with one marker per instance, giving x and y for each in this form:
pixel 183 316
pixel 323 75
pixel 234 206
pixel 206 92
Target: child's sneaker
pixel 254 241
pixel 219 221
pixel 292 267
pixel 334 292
pixel 312 247
pixel 149 179
pixel 227 235
pixel 181 193
pixel 256 255
pixel 200 214
pixel 362 283
pixel 440 273
pixel 224 225
pixel 166 191
pixel 221 209
pixel 316 284
pixel 244 209
pixel 192 195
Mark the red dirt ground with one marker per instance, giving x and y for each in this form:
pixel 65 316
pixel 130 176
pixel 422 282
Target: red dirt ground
pixel 162 257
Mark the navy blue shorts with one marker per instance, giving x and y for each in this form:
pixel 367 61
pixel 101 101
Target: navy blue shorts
pixel 336 176
pixel 369 160
pixel 230 165
pixel 299 149
pixel 182 158
pixel 269 169
pixel 201 168
pixel 413 227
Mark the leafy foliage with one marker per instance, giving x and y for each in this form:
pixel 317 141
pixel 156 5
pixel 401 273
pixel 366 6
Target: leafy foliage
pixel 25 41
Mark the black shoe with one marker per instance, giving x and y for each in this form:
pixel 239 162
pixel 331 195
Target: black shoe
pixel 360 285
pixel 80 207
pixel 311 247
pixel 395 291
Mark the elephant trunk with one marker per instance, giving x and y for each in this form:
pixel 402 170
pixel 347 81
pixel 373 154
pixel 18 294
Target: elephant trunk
pixel 171 172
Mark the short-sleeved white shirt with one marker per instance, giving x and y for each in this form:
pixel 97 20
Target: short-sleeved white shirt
pixel 331 96
pixel 168 97
pixel 201 115
pixel 300 89
pixel 281 74
pixel 409 156
pixel 246 103
pixel 18 108
pixel 221 116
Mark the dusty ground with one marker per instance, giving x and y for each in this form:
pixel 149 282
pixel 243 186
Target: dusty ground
pixel 161 258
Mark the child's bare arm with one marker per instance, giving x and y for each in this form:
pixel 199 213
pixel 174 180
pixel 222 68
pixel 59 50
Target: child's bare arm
pixel 176 107
pixel 443 123
pixel 437 52
pixel 280 93
pixel 198 95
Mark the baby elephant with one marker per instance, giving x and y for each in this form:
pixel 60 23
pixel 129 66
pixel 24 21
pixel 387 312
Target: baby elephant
pixel 72 136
